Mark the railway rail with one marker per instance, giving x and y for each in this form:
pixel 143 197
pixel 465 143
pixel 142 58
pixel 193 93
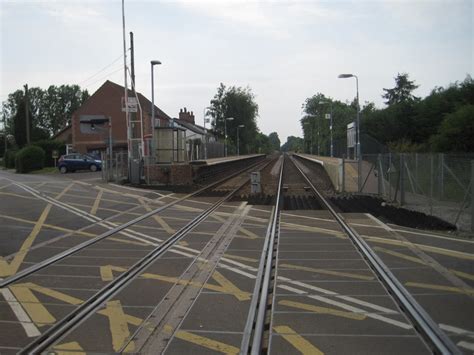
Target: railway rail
pixel 257 333
pixel 53 334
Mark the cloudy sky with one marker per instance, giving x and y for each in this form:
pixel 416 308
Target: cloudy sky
pixel 285 50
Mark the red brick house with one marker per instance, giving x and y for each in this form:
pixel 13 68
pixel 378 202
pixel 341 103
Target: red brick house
pixel 90 134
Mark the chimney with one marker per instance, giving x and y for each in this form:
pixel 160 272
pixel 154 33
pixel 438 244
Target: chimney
pixel 186 116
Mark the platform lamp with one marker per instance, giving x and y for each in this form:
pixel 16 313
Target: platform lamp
pixel 330 123
pixel 225 133
pixel 358 147
pixel 153 63
pixel 239 126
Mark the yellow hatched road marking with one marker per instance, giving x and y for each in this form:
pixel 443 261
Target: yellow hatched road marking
pixel 469 292
pixel 118 323
pixel 63 192
pixel 95 206
pixel 18 195
pixel 35 309
pixel 249 234
pixel 428 248
pixel 50 226
pixel 460 274
pixel 323 310
pixel 5 186
pixel 242 258
pixel 8 269
pixel 158 219
pixel 203 341
pixel 72 348
pixel 328 272
pixel 300 343
pixel 293 226
pixel 225 286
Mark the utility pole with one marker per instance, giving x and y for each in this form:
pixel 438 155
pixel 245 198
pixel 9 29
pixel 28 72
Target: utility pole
pixel 132 58
pixel 27 113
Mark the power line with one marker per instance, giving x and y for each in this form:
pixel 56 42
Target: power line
pixel 103 77
pixel 101 70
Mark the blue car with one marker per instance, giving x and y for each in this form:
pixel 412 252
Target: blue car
pixel 76 161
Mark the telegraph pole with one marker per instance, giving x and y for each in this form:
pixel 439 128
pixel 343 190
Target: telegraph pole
pixel 27 113
pixel 132 58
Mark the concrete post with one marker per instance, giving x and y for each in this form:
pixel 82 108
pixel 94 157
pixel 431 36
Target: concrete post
pixel 343 173
pixel 379 174
pixel 441 176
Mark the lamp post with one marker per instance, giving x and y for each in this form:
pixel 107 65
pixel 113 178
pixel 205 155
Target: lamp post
pixel 153 63
pixel 239 126
pixel 205 133
pixel 225 133
pixel 330 125
pixel 358 147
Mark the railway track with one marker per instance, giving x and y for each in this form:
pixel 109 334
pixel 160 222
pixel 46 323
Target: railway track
pixel 258 331
pixel 134 261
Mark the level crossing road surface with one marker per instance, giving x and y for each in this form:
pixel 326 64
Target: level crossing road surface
pixel 196 297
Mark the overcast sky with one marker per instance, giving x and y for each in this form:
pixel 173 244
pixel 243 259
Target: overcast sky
pixel 285 51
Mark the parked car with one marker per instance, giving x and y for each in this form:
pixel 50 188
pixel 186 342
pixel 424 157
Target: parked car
pixel 76 161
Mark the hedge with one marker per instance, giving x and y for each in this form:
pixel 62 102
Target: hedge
pixel 9 159
pixel 29 158
pixel 48 145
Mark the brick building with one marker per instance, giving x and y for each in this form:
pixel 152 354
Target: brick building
pixel 90 134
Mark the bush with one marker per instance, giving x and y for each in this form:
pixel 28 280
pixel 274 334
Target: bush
pixel 48 145
pixel 29 158
pixel 9 159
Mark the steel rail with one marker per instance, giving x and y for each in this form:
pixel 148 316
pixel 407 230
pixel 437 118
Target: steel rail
pixel 55 258
pixel 68 323
pixel 255 325
pixel 428 328
pixel 87 308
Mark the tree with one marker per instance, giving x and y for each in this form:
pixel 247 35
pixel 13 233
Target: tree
pixel 293 144
pixel 402 92
pixel 274 141
pixel 238 103
pixel 456 131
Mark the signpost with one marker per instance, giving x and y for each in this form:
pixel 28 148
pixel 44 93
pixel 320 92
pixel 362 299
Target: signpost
pixel 55 155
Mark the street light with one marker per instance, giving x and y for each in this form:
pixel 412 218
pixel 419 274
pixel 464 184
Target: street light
pixel 358 147
pixel 225 133
pixel 153 63
pixel 239 126
pixel 330 124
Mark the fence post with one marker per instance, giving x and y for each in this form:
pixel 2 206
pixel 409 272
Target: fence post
pixel 472 195
pixel 402 179
pixel 431 183
pixel 416 166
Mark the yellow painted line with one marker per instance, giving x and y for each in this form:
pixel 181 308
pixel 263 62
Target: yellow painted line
pixel 72 348
pixel 118 324
pixel 203 341
pixel 8 269
pixel 323 310
pixel 49 226
pixel 17 195
pixel 104 199
pixel 225 286
pixel 300 343
pixel 63 192
pixel 37 312
pixel 5 186
pixel 469 292
pixel 460 274
pixel 249 234
pixel 126 241
pixel 105 209
pixel 95 206
pixel 428 248
pixel 293 226
pixel 158 219
pixel 311 218
pixel 328 272
pixel 400 255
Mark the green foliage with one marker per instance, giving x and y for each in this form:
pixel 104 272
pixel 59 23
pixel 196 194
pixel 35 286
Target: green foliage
pixel 49 110
pixel 240 104
pixel 29 158
pixel 293 144
pixel 263 144
pixel 274 141
pixel 9 159
pixel 456 133
pixel 48 145
pixel 406 146
pixel 402 92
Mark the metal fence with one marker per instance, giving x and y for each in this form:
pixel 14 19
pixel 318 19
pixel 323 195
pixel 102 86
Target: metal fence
pixel 436 184
pixel 115 169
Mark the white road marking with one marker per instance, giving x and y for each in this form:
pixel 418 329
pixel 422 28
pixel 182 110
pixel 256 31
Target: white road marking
pixel 466 345
pixel 456 330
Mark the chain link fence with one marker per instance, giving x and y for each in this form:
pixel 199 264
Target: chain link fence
pixel 437 184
